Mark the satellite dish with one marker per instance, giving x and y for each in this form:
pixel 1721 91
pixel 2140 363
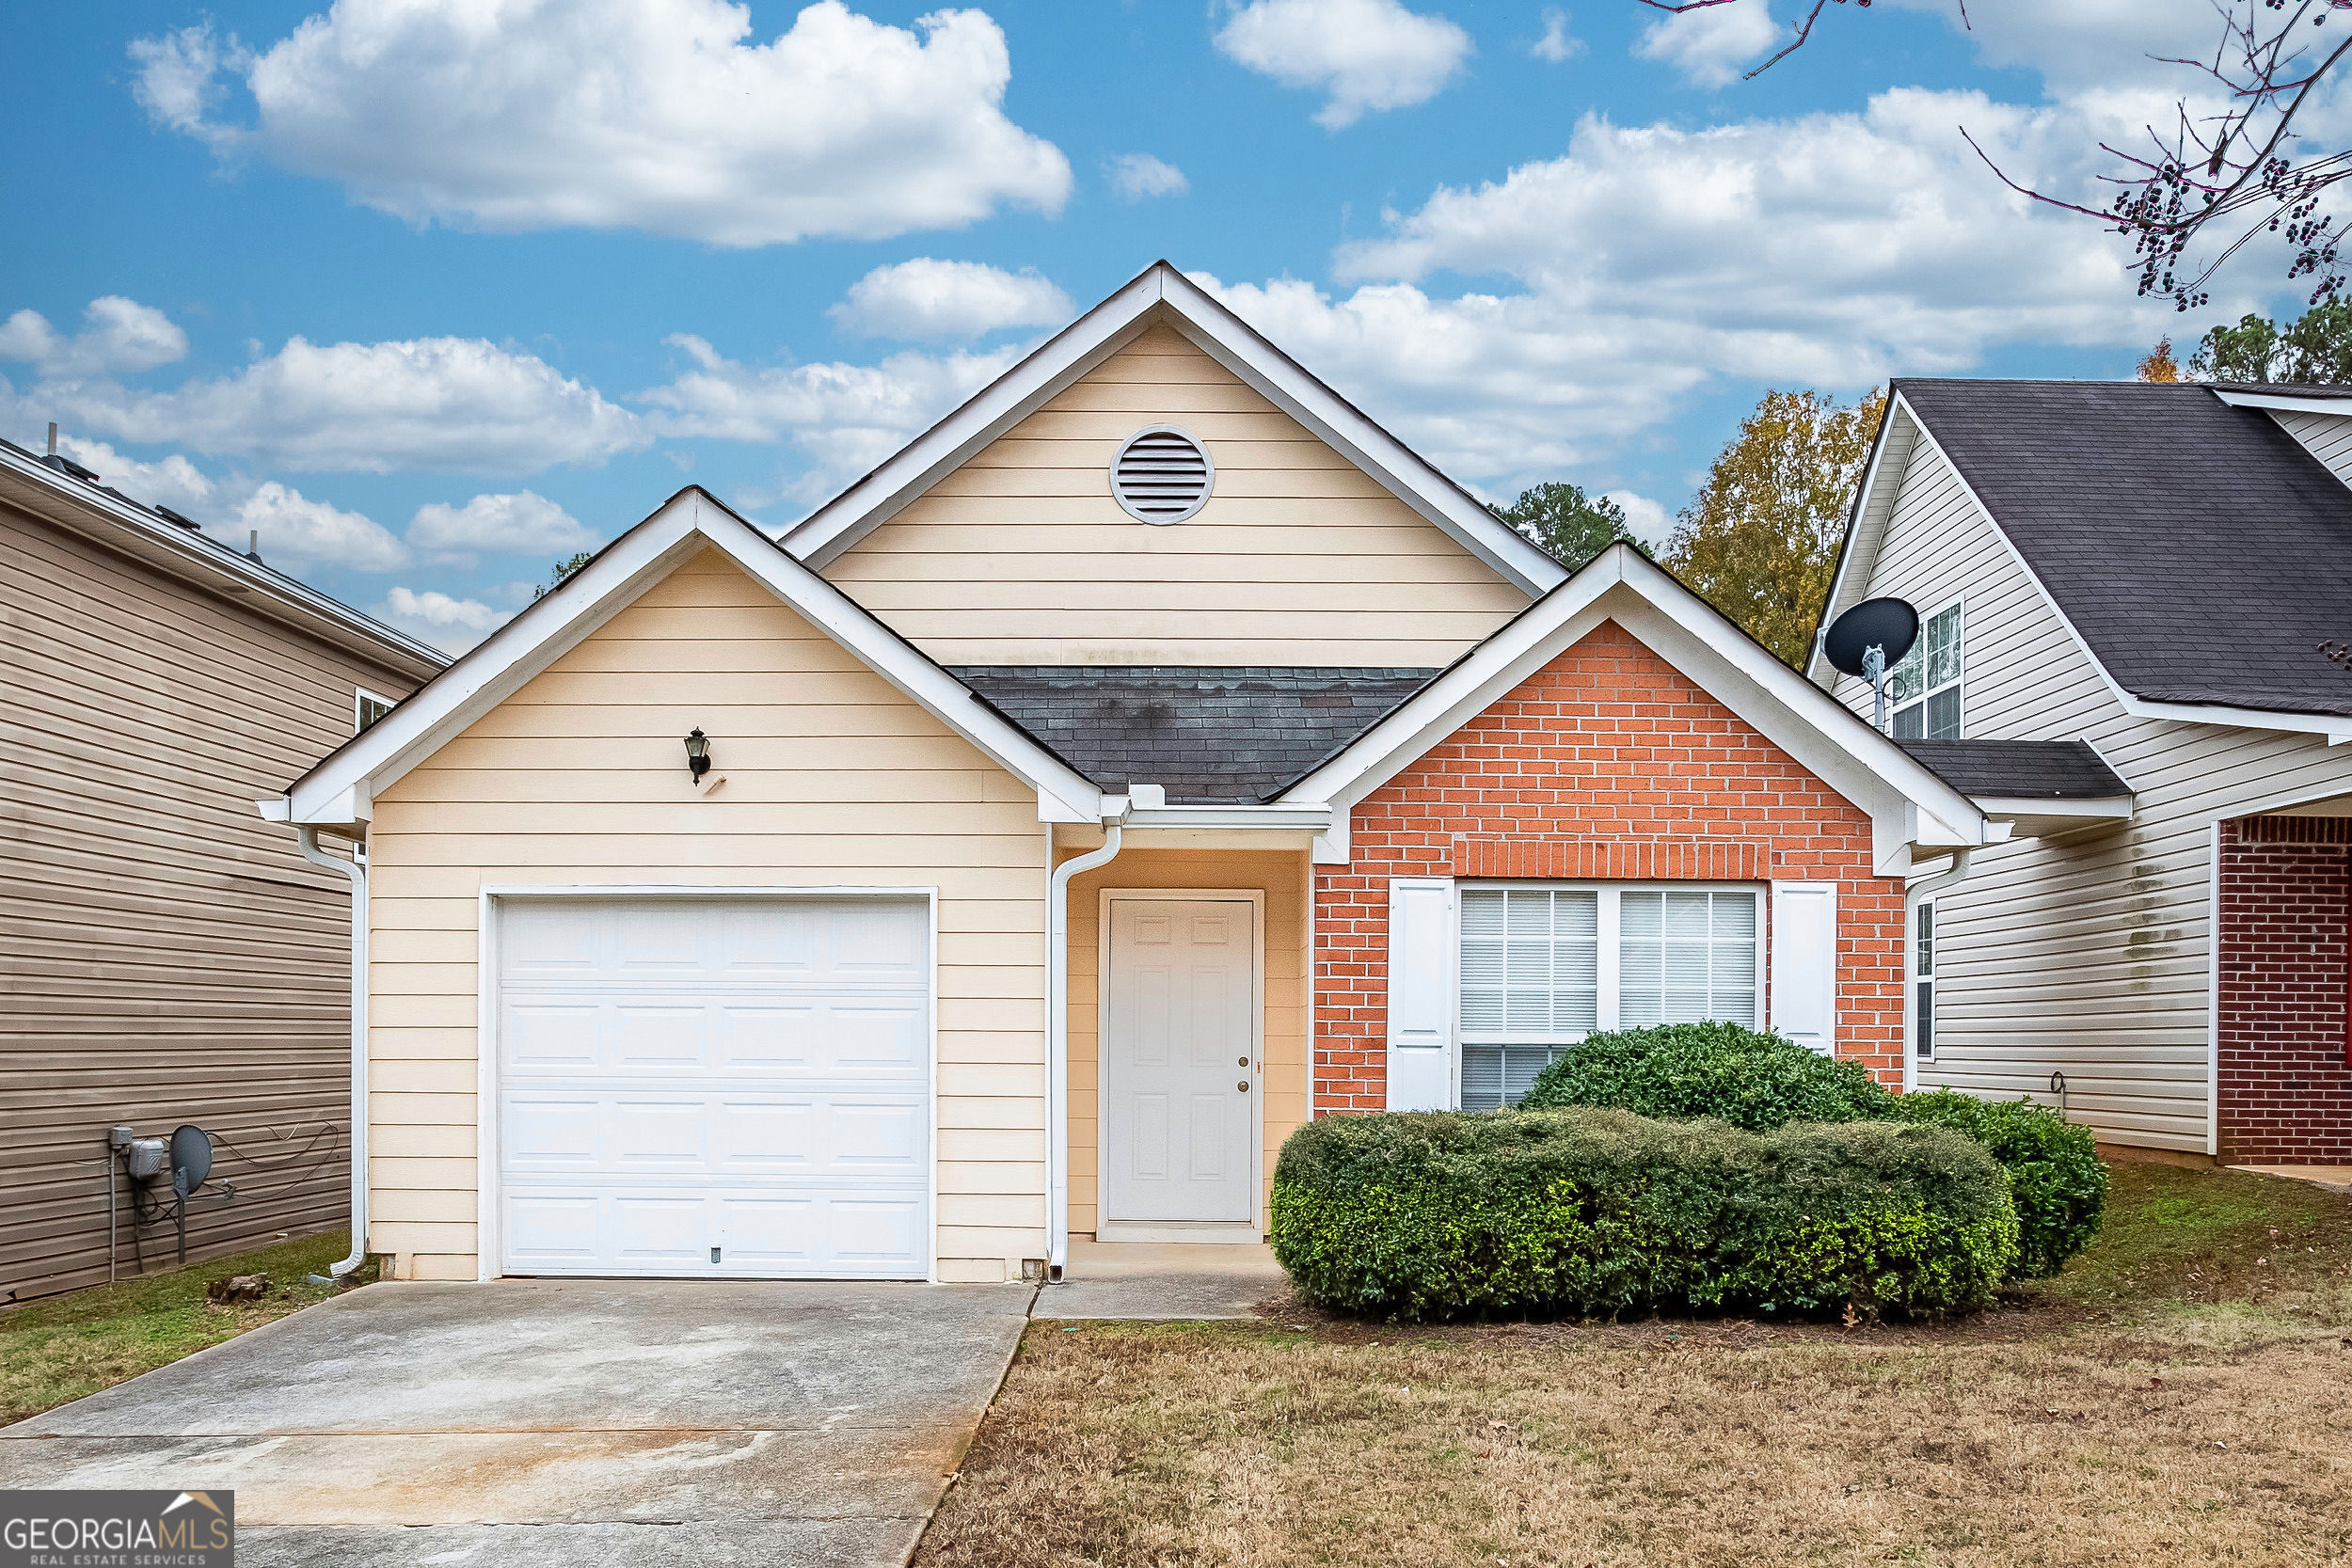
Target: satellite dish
pixel 1890 626
pixel 191 1158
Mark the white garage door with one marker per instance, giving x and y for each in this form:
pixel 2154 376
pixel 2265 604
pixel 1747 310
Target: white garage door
pixel 714 1087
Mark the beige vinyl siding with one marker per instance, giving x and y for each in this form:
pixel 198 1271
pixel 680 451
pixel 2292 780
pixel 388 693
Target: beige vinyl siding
pixel 1283 877
pixel 2325 436
pixel 1299 558
pixel 2086 954
pixel 169 958
pixel 833 779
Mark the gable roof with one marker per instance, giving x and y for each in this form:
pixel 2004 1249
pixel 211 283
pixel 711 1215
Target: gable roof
pixel 339 791
pixel 2022 769
pixel 2198 551
pixel 1160 293
pixel 1207 735
pixel 1908 804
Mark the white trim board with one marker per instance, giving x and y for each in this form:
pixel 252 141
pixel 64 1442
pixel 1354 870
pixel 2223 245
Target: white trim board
pixel 1161 294
pixel 1908 804
pixel 341 790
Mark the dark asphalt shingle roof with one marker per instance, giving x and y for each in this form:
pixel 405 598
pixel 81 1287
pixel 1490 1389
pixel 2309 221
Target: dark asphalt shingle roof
pixel 1209 736
pixel 2199 549
pixel 2020 770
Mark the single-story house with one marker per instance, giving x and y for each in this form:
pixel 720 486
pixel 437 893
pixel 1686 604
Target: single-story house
pixel 165 959
pixel 1153 755
pixel 2137 610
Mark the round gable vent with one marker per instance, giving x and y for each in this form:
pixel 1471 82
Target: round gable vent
pixel 1162 475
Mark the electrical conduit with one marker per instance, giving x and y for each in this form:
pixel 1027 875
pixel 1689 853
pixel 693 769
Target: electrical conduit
pixel 358 871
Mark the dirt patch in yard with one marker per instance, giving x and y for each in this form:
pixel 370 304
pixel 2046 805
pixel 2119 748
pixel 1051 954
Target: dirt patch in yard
pixel 2179 1396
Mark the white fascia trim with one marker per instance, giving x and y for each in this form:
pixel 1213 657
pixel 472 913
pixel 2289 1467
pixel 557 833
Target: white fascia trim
pixel 1282 819
pixel 341 790
pixel 1907 802
pixel 1816 668
pixel 2116 808
pixel 2335 727
pixel 833 529
pixel 2340 408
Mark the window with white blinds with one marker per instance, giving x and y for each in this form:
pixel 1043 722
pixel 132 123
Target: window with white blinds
pixel 1544 966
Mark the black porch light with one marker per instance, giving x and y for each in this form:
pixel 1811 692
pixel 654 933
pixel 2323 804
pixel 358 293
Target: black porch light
pixel 698 754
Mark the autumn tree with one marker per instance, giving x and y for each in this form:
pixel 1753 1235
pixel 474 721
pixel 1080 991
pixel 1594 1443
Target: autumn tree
pixel 1569 525
pixel 2159 365
pixel 1759 541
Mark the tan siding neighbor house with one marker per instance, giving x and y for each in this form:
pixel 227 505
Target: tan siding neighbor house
pixel 168 959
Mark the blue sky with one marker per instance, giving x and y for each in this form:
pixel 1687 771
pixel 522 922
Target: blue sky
pixel 429 293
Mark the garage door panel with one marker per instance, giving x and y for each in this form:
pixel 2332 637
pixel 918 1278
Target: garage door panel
pixel 749 1077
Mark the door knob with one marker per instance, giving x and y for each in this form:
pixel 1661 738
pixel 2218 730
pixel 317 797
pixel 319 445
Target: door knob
pixel 1244 1061
pixel 1243 1085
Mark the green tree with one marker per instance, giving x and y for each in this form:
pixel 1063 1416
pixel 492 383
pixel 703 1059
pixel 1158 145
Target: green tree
pixel 2315 349
pixel 564 568
pixel 1759 541
pixel 1571 526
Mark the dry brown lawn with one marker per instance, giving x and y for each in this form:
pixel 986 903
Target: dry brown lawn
pixel 2182 1395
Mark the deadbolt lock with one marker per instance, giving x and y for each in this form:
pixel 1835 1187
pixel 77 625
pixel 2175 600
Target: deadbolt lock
pixel 1243 1085
pixel 1244 1061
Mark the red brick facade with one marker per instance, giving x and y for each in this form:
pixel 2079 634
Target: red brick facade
pixel 1607 764
pixel 2286 991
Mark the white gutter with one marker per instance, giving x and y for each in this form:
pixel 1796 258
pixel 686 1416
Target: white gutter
pixel 1912 895
pixel 1058 1030
pixel 358 871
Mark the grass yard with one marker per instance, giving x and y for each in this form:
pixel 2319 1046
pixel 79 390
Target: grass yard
pixel 2181 1395
pixel 64 1347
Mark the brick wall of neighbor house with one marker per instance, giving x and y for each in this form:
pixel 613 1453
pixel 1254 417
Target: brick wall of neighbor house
pixel 1608 764
pixel 2286 921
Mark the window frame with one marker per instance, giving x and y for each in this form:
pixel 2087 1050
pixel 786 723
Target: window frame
pixel 360 698
pixel 1920 951
pixel 1609 946
pixel 1958 684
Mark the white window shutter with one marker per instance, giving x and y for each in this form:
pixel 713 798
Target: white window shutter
pixel 1804 963
pixel 1421 993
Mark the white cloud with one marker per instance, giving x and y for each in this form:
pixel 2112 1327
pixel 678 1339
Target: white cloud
pixel 1650 521
pixel 628 114
pixel 845 418
pixel 296 530
pixel 449 623
pixel 1365 54
pixel 119 335
pixel 1712 46
pixel 925 299
pixel 171 481
pixel 447 403
pixel 522 523
pixel 1557 44
pixel 1646 262
pixel 1135 175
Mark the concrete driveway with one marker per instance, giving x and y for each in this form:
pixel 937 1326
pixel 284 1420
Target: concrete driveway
pixel 561 1422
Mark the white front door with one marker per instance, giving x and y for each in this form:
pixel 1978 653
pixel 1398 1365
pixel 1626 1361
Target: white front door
pixel 1180 1086
pixel 714 1086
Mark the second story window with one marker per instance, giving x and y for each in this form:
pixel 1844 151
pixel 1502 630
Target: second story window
pixel 1924 689
pixel 365 708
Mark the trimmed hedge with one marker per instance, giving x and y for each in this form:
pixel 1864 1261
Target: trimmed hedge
pixel 1762 1080
pixel 1448 1214
pixel 1681 1071
pixel 2057 1179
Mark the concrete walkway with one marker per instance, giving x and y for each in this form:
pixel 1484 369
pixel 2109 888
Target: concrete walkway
pixel 532 1422
pixel 2334 1177
pixel 1145 1282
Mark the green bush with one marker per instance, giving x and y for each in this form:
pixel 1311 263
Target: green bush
pixel 1762 1080
pixel 2057 1179
pixel 1447 1215
pixel 1679 1072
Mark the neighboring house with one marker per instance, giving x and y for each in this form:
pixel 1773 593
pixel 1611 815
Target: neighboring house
pixel 2137 600
pixel 165 959
pixel 1153 755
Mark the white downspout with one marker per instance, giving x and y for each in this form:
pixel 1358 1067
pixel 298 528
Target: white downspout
pixel 358 871
pixel 1911 895
pixel 1058 1032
